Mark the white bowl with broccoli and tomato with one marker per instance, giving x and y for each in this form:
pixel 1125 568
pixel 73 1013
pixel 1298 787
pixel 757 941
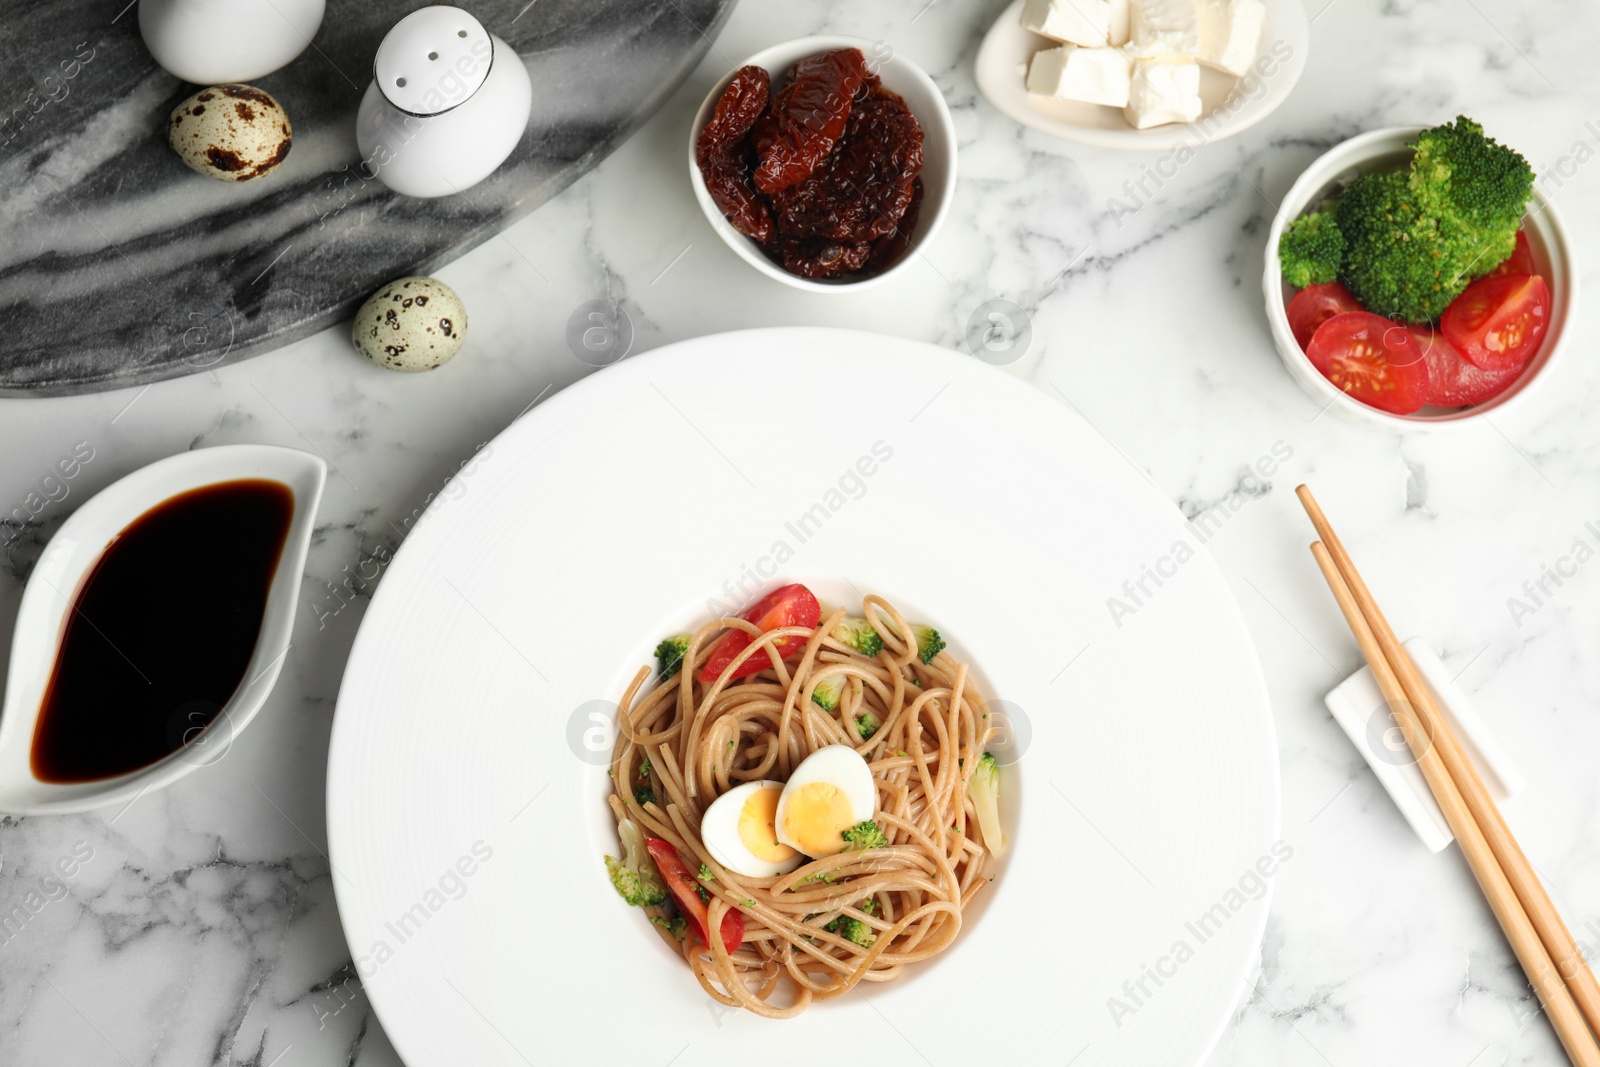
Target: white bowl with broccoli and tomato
pixel 1417 277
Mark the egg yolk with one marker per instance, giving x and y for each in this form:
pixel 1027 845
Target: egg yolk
pixel 758 820
pixel 816 817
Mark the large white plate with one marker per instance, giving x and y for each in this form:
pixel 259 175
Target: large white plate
pixel 606 519
pixel 1231 104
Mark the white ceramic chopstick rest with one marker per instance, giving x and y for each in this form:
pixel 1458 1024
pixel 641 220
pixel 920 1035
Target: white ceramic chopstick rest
pixel 1359 708
pixel 448 103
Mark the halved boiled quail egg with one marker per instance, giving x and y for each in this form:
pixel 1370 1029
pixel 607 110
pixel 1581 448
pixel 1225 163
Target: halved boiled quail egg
pixel 739 831
pixel 831 791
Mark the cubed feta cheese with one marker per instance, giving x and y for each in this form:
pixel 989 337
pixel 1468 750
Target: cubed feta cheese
pixel 1117 26
pixel 1163 28
pixel 1230 31
pixel 1082 22
pixel 1163 91
pixel 1092 75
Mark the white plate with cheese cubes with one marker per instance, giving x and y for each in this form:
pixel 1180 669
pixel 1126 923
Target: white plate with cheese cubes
pixel 1133 74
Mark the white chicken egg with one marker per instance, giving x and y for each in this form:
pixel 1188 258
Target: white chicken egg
pixel 738 831
pixel 831 791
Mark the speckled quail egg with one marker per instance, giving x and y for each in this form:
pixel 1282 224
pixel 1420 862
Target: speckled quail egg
pixel 739 829
pixel 411 324
pixel 230 132
pixel 828 793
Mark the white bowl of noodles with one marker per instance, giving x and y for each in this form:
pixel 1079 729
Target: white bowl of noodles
pixel 928 721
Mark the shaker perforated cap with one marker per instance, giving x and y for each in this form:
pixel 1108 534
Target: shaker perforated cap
pixel 434 59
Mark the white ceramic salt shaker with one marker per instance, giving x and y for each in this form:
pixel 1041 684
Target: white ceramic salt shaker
pixel 212 42
pixel 448 102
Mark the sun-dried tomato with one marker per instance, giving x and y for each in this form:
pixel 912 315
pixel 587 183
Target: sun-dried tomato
pixel 862 189
pixel 814 257
pixel 725 158
pixel 809 116
pixel 762 132
pixel 740 105
pixel 892 246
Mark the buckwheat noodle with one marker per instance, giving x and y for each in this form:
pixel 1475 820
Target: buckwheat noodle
pixel 703 740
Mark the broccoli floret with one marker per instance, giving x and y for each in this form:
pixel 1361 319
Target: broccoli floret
pixel 859 635
pixel 852 930
pixel 677 926
pixel 929 643
pixel 1311 250
pixel 635 876
pixel 644 795
pixel 828 692
pixel 1414 239
pixel 644 768
pixel 705 874
pixel 1486 184
pixel 669 655
pixel 867 724
pixel 820 876
pixel 984 789
pixel 864 835
pixel 1400 260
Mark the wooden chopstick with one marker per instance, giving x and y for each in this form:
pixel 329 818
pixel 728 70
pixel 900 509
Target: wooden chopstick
pixel 1547 982
pixel 1558 940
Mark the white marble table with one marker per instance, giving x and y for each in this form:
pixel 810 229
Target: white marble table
pixel 202 927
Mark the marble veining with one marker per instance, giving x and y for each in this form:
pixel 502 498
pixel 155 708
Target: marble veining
pixel 121 267
pixel 203 930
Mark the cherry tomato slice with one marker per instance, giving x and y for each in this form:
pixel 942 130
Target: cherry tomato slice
pixel 1452 381
pixel 1315 305
pixel 686 891
pixel 1520 261
pixel 1498 322
pixel 789 605
pixel 1372 359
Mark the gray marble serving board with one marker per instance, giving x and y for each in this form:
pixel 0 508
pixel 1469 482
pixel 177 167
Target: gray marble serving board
pixel 120 266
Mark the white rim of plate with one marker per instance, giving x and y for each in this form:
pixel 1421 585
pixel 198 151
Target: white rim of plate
pixel 1235 757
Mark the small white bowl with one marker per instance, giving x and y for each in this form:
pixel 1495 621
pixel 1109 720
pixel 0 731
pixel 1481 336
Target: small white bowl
pixel 899 75
pixel 1378 150
pixel 1231 104
pixel 53 586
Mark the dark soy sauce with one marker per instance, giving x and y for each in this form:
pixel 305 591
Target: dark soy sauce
pixel 161 630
